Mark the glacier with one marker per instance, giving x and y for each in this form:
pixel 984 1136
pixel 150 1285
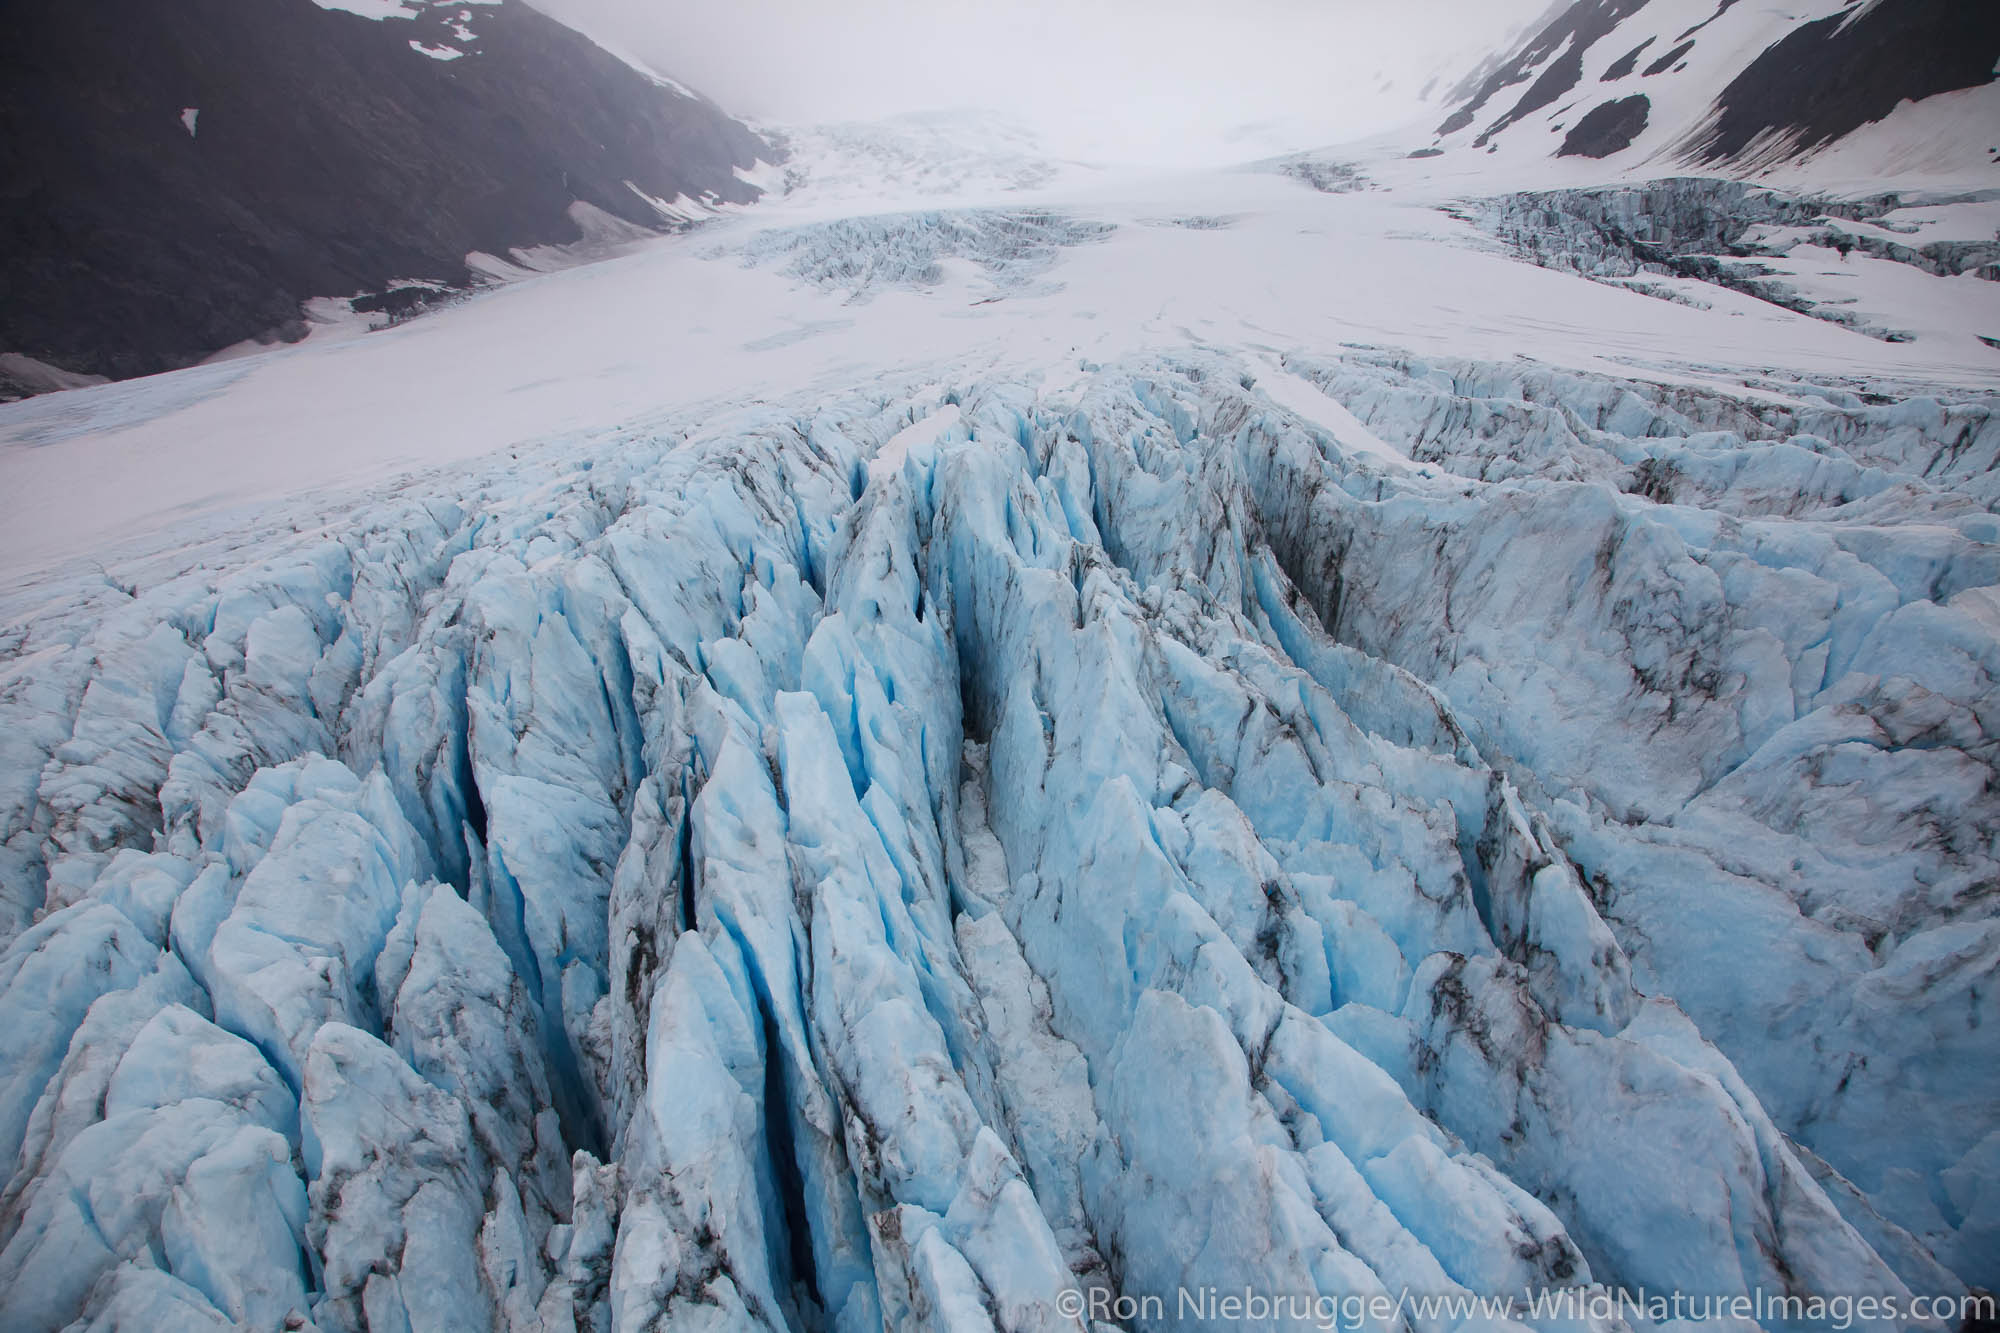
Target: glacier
pixel 1734 235
pixel 996 763
pixel 917 856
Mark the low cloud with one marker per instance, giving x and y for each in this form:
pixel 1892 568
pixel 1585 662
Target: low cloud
pixel 1166 80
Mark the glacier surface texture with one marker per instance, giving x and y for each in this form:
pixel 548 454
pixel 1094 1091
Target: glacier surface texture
pixel 916 857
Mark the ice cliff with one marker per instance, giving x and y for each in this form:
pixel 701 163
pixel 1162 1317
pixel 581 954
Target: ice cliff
pixel 1335 827
pixel 1727 233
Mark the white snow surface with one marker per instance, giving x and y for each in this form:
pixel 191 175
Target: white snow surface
pixel 678 321
pixel 1302 397
pixel 858 768
pixel 375 9
pixel 888 460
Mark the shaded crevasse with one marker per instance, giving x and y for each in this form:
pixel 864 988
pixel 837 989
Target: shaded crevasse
pixel 1717 231
pixel 1131 842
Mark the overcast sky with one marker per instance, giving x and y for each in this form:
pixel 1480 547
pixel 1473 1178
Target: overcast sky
pixel 1157 79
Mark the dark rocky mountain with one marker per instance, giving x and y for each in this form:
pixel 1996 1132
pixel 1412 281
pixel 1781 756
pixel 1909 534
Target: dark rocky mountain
pixel 1828 78
pixel 175 179
pixel 1553 59
pixel 1713 82
pixel 1607 128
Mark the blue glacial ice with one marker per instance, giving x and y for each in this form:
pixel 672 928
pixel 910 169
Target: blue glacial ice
pixel 1134 839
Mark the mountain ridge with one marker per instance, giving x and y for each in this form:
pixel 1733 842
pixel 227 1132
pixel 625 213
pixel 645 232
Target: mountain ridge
pixel 1718 85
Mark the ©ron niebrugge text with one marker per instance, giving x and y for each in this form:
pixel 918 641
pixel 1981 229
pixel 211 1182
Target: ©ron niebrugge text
pixel 1355 1312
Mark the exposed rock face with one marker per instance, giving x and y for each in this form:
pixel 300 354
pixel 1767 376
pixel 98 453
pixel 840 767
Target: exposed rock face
pixel 327 157
pixel 1828 78
pixel 1669 60
pixel 1607 128
pixel 1553 58
pixel 788 875
pixel 1625 64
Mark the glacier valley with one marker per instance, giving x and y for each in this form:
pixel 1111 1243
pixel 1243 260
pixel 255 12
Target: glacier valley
pixel 902 805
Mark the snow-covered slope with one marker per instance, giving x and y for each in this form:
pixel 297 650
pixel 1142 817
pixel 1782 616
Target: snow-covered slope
pixel 1744 83
pixel 987 767
pixel 178 179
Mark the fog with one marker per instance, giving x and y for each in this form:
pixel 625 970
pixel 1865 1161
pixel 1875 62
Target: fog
pixel 1158 80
